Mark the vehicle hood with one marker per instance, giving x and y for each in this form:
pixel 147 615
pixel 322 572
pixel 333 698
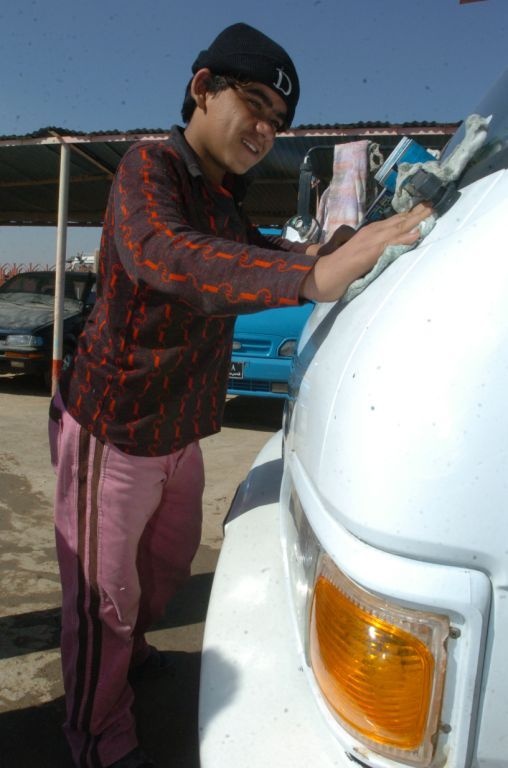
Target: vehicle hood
pixel 25 318
pixel 401 421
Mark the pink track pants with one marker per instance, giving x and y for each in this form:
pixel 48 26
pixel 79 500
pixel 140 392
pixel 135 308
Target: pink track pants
pixel 127 529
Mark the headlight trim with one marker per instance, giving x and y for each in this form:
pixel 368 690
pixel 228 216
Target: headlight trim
pixel 387 686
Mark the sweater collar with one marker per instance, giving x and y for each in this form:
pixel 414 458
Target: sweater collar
pixel 236 185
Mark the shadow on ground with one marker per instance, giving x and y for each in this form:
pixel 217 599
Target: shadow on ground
pixel 40 630
pixel 259 413
pixel 166 712
pixel 22 384
pixel 166 706
pixel 33 738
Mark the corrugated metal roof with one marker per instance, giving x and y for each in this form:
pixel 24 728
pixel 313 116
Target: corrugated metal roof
pixel 29 168
pixel 427 126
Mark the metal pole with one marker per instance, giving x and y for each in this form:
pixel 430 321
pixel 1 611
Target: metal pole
pixel 61 248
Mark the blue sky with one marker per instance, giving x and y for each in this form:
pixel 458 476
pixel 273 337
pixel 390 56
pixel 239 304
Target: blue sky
pixel 124 65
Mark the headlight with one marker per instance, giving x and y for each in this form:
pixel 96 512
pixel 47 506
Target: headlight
pixel 303 553
pixel 23 340
pixel 380 666
pixel 288 349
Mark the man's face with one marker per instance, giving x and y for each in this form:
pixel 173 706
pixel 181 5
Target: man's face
pixel 237 128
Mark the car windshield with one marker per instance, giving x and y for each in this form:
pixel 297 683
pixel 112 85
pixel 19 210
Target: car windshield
pixel 39 288
pixel 493 155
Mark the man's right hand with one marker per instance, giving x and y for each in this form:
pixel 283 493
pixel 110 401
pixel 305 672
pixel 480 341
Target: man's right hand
pixel 332 274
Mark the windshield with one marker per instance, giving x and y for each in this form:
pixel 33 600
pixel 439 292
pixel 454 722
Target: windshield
pixel 493 155
pixel 39 288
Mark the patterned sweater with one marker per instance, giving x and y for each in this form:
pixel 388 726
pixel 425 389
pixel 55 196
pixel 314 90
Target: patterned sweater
pixel 178 262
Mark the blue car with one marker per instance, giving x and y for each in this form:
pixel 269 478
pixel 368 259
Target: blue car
pixel 264 345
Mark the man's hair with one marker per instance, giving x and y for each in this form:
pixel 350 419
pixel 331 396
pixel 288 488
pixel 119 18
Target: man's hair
pixel 215 84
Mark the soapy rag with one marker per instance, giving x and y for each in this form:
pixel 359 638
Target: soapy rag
pixel 448 170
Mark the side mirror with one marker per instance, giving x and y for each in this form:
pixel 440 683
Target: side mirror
pixel 302 229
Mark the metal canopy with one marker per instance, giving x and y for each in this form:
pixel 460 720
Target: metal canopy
pixel 62 178
pixel 30 168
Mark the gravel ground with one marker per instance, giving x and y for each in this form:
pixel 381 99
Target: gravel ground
pixel 31 701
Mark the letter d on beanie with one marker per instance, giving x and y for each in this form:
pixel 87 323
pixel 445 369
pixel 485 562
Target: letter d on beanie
pixel 245 53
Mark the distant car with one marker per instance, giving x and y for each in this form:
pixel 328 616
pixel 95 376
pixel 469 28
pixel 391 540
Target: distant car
pixel 26 319
pixel 264 345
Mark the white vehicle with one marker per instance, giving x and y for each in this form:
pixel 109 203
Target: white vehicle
pixel 359 613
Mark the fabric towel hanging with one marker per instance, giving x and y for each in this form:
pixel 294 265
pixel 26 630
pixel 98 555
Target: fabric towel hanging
pixel 343 201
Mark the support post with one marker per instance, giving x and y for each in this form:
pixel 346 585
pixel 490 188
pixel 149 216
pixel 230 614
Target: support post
pixel 61 250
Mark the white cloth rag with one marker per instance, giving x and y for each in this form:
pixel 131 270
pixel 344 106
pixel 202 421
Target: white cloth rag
pixel 448 170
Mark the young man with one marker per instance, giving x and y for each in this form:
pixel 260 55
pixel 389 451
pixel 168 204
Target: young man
pixel 178 262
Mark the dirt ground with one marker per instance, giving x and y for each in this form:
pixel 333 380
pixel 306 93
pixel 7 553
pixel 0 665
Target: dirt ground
pixel 31 701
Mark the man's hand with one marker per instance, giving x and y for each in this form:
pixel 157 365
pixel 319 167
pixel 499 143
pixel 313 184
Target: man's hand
pixel 333 273
pixel 341 235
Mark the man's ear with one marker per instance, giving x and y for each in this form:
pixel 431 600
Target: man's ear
pixel 199 87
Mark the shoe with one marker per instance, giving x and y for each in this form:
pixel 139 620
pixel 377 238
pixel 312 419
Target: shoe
pixel 134 759
pixel 156 663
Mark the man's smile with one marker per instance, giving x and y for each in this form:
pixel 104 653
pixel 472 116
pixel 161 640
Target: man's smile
pixel 250 145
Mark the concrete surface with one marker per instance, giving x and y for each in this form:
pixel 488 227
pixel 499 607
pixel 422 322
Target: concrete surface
pixel 31 700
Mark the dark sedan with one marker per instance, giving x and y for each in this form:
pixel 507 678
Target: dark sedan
pixel 26 319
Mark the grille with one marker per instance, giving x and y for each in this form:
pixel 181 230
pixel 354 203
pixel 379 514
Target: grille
pixel 249 385
pixel 255 347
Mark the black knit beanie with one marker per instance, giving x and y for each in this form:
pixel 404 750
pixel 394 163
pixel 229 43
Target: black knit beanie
pixel 243 52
